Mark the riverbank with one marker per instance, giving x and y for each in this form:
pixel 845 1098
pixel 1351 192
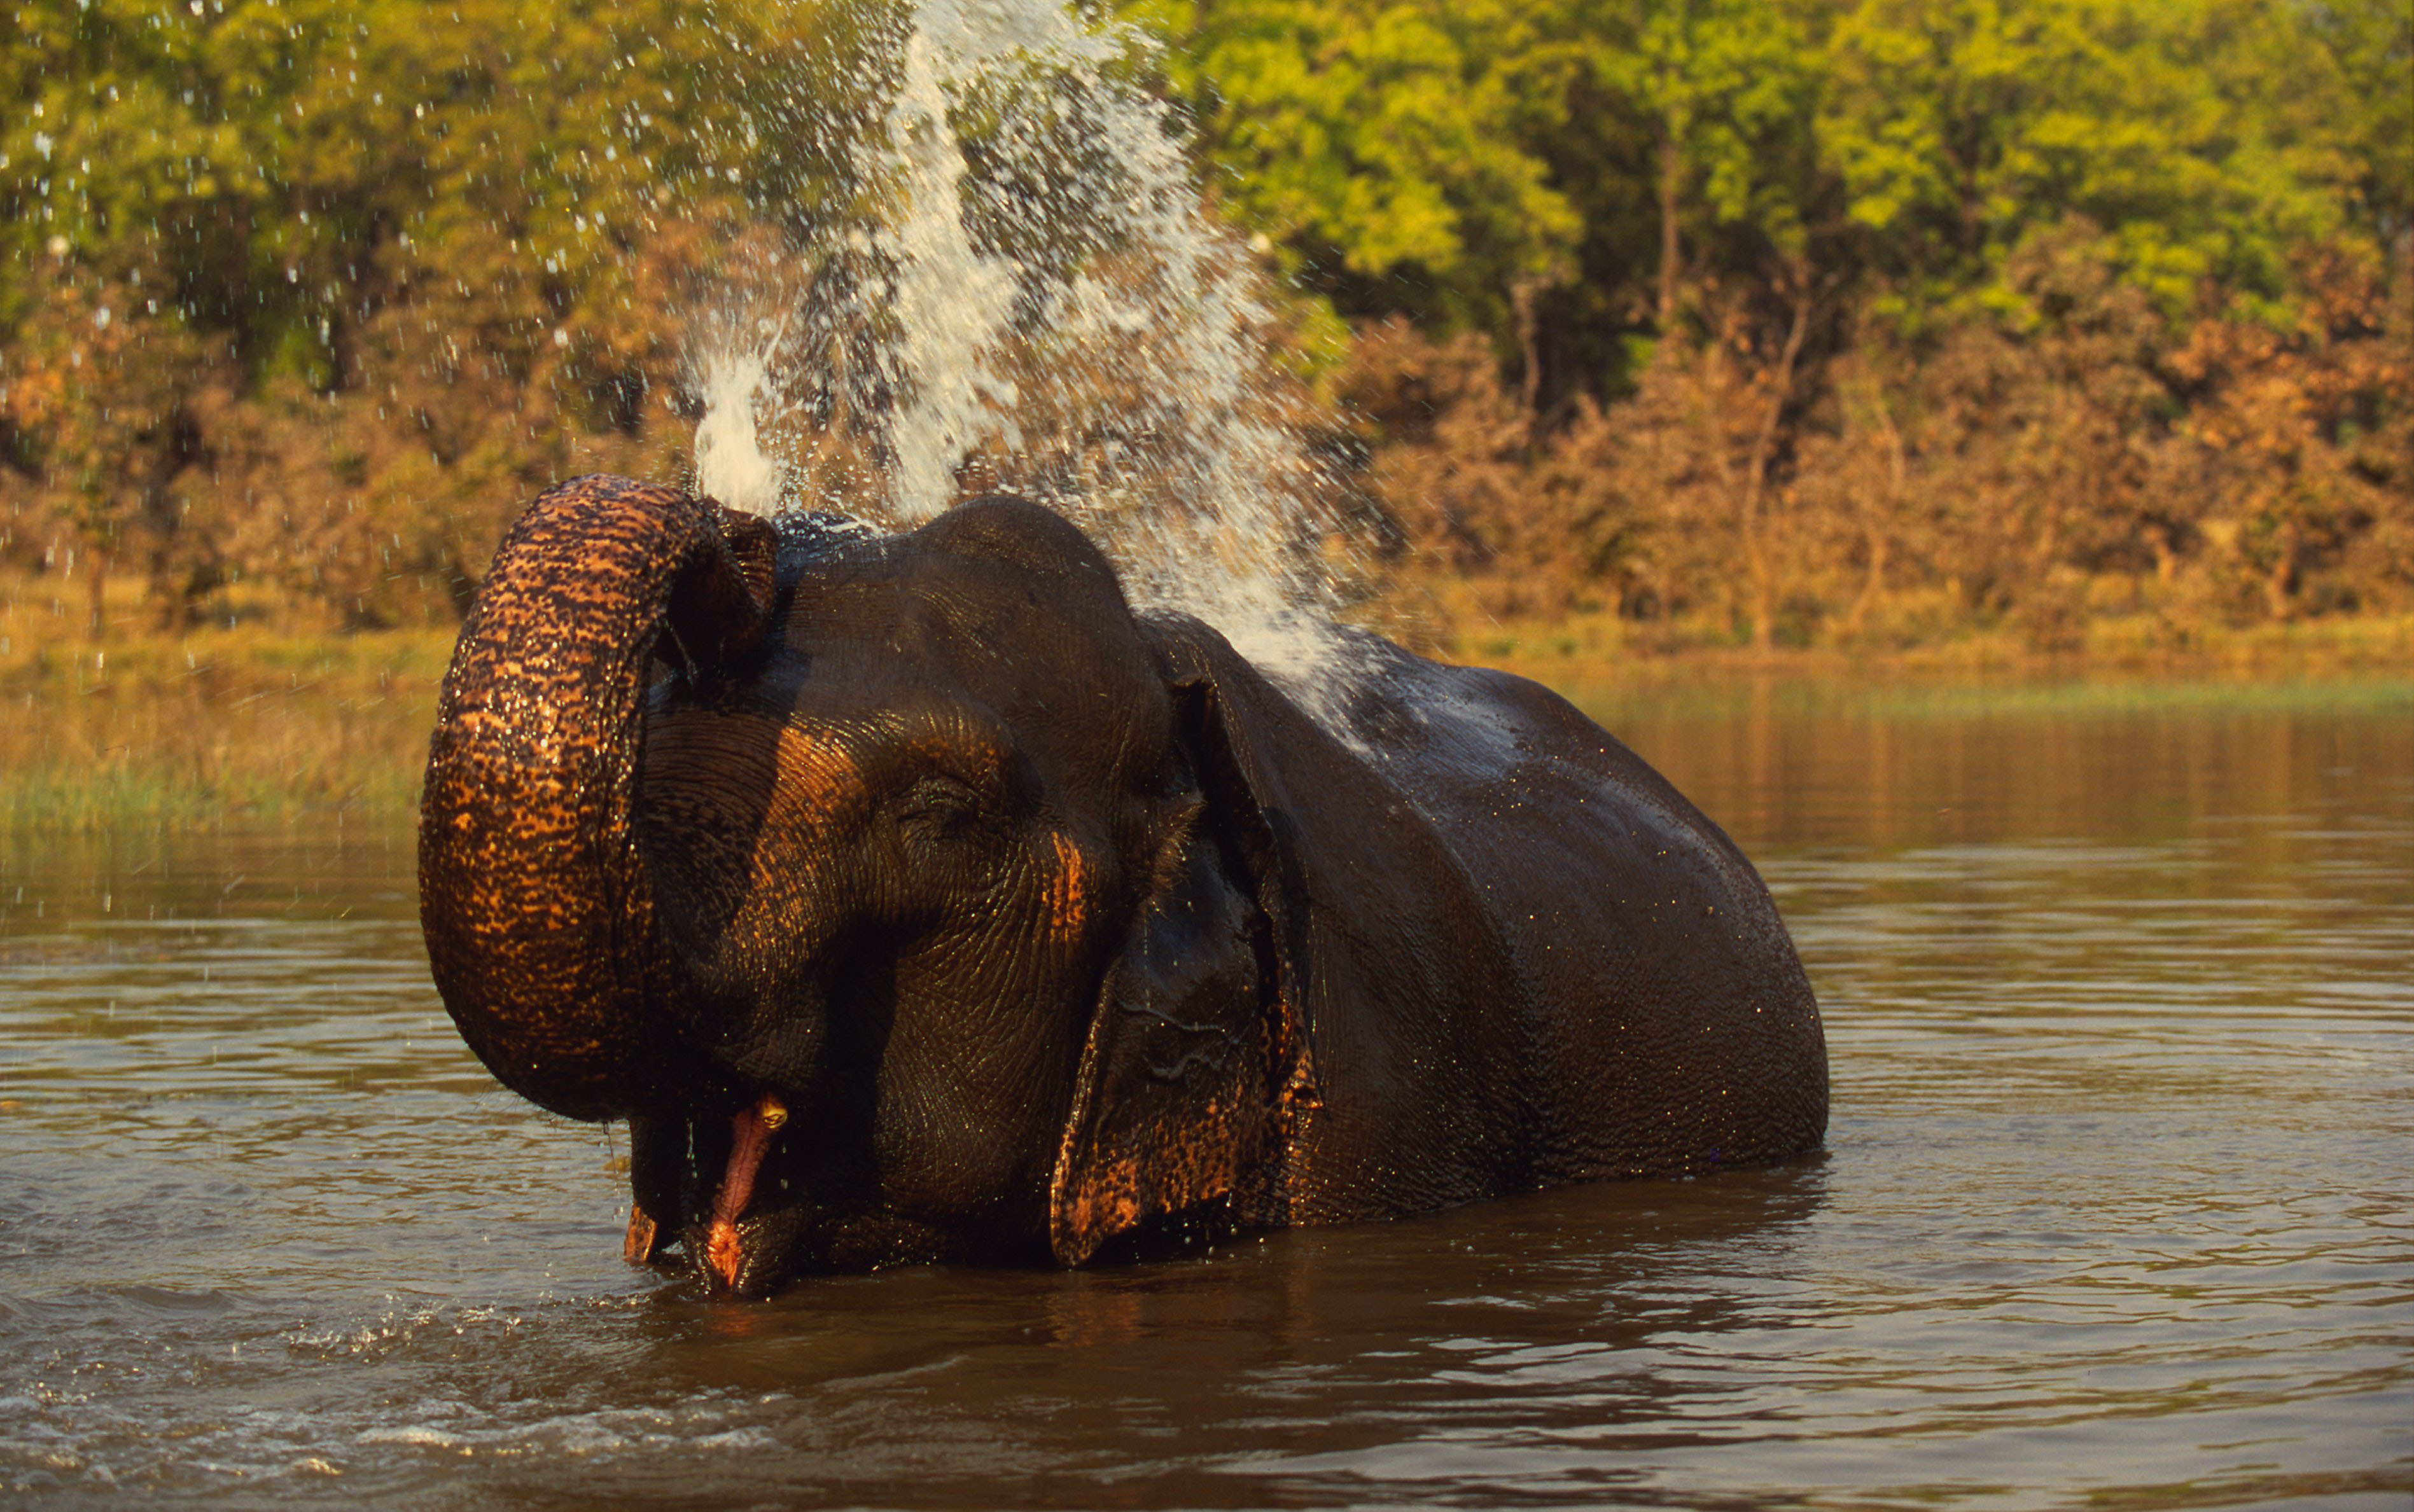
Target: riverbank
pixel 1594 660
pixel 223 726
pixel 194 732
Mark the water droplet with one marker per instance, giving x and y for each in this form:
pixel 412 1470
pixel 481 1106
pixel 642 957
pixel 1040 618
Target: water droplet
pixel 1096 344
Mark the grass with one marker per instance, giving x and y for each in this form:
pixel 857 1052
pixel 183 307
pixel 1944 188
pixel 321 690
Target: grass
pixel 145 731
pixel 2340 664
pixel 148 731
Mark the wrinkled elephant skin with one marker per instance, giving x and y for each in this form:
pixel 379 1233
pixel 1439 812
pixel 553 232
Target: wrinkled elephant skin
pixel 914 898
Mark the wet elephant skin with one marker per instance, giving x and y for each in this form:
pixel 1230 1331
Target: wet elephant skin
pixel 915 898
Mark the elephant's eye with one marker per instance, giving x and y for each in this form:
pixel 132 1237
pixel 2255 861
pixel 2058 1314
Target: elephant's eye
pixel 940 807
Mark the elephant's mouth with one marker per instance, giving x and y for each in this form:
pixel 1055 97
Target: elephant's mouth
pixel 735 1245
pixel 739 1247
pixel 759 1197
pixel 752 1255
pixel 724 1251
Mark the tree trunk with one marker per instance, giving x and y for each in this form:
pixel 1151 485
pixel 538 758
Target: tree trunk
pixel 97 620
pixel 1672 169
pixel 1877 515
pixel 1524 294
pixel 1755 476
pixel 2280 584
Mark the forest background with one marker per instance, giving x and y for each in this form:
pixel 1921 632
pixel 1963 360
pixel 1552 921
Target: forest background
pixel 2053 324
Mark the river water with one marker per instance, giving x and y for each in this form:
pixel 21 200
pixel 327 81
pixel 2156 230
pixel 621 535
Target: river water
pixel 2117 1207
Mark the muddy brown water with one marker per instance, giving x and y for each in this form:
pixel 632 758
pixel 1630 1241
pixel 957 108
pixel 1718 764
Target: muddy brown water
pixel 2116 1208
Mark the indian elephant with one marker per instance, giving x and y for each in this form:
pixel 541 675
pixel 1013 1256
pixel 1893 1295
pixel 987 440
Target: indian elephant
pixel 916 898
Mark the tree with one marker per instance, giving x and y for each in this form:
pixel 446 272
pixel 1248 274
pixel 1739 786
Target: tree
pixel 1726 87
pixel 429 243
pixel 1385 145
pixel 1962 129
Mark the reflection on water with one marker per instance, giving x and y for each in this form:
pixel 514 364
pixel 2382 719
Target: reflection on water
pixel 2116 1204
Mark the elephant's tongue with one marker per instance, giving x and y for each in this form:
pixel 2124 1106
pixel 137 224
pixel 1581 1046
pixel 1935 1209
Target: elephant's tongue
pixel 749 1139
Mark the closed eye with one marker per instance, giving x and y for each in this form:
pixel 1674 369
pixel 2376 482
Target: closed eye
pixel 940 807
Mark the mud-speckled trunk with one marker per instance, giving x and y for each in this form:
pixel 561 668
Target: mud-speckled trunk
pixel 536 903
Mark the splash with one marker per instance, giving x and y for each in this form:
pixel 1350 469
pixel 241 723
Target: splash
pixel 730 463
pixel 1035 297
pixel 950 301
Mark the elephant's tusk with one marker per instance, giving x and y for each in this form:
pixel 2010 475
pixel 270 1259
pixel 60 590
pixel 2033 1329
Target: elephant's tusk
pixel 749 1141
pixel 643 1239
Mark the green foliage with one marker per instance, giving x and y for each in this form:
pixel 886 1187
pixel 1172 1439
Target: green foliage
pixel 1728 84
pixel 261 163
pixel 1380 140
pixel 314 289
pixel 2202 140
pixel 305 295
pixel 1423 160
pixel 2368 47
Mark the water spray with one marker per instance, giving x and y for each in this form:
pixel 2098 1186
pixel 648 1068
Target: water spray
pixel 1073 325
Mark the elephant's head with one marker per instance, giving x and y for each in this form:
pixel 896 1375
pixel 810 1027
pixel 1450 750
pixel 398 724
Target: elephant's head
pixel 896 888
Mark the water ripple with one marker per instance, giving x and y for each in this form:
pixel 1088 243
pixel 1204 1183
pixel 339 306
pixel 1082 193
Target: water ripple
pixel 2115 1209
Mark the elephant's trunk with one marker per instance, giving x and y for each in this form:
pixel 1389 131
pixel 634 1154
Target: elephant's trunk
pixel 536 903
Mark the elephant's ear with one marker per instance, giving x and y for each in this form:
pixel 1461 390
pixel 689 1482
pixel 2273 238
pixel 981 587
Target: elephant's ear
pixel 1178 1101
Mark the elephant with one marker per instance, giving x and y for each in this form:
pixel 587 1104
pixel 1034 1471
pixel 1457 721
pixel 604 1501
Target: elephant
pixel 915 898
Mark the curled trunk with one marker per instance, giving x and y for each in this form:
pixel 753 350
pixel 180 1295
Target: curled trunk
pixel 536 904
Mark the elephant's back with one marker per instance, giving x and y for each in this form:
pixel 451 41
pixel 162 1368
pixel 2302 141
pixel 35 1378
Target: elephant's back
pixel 1669 1025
